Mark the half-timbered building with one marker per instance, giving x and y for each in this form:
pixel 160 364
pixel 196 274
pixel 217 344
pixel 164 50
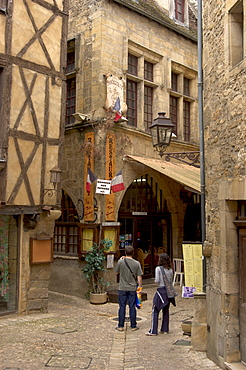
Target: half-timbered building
pixel 32 100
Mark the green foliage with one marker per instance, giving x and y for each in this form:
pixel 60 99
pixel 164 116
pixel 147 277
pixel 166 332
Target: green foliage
pixel 94 265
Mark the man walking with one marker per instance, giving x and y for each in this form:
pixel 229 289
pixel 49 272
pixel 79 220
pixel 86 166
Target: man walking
pixel 130 276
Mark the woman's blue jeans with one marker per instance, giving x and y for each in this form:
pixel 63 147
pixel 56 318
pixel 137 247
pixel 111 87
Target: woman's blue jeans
pixel 125 297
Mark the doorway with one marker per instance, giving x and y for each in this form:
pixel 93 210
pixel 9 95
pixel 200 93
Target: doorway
pixel 149 236
pixel 145 223
pixel 242 292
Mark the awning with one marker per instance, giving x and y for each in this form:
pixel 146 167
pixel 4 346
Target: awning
pixel 184 174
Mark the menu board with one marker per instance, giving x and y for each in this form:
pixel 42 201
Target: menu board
pixel 193 270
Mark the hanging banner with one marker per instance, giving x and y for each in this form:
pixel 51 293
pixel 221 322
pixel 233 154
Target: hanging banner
pixel 192 254
pixel 110 173
pixel 89 196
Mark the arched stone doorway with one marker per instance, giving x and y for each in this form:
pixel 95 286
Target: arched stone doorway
pixel 145 222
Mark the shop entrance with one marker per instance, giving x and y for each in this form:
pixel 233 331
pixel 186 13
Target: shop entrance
pixel 145 223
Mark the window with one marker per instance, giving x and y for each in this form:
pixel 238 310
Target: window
pixel 174 81
pixel 236 33
pixel 71 83
pixel 186 118
pixel 131 102
pixel 132 65
pixel 148 71
pixel 148 104
pixel 140 87
pixel 71 100
pixel 179 10
pixel 183 107
pixel 186 86
pixel 71 61
pixel 174 113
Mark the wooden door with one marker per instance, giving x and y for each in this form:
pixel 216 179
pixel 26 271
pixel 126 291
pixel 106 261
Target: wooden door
pixel 242 293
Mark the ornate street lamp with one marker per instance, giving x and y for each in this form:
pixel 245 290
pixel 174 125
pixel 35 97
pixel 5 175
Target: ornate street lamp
pixel 161 131
pixel 55 179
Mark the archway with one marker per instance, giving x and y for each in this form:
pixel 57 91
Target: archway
pixel 145 222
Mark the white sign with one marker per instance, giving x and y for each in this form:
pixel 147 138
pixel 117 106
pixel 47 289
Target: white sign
pixel 103 186
pixel 110 261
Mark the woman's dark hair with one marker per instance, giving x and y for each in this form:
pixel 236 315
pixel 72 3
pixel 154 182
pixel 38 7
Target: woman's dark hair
pixel 164 261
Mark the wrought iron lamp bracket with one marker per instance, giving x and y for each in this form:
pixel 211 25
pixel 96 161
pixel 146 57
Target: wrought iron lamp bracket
pixel 193 158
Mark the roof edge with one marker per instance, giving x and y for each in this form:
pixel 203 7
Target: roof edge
pixel 158 20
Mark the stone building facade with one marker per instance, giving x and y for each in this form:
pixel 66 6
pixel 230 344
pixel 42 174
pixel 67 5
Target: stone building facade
pixel 145 55
pixel 32 98
pixel 224 119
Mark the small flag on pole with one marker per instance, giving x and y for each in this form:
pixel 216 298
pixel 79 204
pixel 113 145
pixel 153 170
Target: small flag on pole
pixel 117 110
pixel 91 177
pixel 117 183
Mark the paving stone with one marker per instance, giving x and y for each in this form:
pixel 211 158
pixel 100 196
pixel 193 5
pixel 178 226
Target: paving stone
pixel 75 331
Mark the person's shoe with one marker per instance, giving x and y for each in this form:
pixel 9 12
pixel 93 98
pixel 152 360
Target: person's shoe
pixel 150 334
pixel 163 332
pixel 119 328
pixel 136 328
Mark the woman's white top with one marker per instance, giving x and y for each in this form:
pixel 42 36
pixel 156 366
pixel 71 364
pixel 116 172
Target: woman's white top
pixel 159 276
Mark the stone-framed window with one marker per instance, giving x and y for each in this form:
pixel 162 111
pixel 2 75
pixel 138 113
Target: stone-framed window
pixel 236 32
pixel 71 83
pixel 182 103
pixel 141 85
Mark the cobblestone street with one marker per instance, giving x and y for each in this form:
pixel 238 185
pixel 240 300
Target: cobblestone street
pixel 78 335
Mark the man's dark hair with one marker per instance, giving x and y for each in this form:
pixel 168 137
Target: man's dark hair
pixel 129 250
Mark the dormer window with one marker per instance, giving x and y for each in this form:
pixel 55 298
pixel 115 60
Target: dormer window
pixel 179 10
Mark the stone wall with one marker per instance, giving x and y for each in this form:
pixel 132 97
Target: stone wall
pixel 224 119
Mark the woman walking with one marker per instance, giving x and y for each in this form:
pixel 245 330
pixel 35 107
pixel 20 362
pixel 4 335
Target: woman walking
pixel 164 295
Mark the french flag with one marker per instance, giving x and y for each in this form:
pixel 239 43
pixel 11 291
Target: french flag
pixel 117 110
pixel 117 183
pixel 91 177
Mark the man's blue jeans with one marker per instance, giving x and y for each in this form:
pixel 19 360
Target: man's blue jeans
pixel 124 297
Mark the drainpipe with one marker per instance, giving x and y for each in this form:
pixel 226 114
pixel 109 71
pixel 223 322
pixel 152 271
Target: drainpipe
pixel 201 130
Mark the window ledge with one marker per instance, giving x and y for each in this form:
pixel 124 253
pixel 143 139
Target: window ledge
pixel 150 83
pixel 66 257
pixel 134 78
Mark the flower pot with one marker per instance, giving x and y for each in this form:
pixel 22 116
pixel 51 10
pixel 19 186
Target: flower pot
pixel 98 298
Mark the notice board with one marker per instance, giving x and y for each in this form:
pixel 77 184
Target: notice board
pixel 193 270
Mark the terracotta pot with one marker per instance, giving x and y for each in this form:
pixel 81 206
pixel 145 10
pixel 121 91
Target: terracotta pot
pixel 98 298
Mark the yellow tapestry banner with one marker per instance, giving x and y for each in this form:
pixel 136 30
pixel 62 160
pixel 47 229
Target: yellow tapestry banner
pixel 110 173
pixel 89 164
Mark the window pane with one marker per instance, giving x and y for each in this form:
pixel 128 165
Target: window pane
pixel 71 99
pixel 148 71
pixel 179 10
pixel 186 86
pixel 174 112
pixel 131 101
pixel 186 112
pixel 111 235
pixel 174 81
pixel 87 239
pixel 132 64
pixel 71 61
pixel 148 102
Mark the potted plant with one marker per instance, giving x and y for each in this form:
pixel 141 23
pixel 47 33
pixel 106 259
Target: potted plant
pixel 92 271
